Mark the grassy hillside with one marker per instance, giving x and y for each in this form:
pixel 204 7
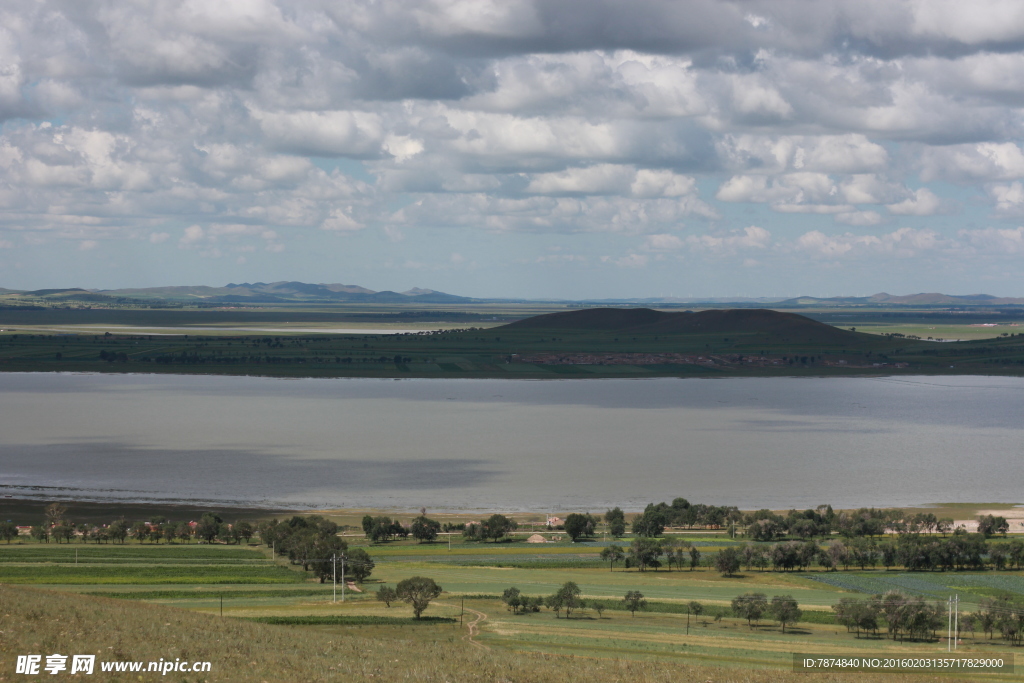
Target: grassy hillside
pixel 43 622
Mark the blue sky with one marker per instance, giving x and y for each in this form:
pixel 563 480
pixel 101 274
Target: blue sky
pixel 515 148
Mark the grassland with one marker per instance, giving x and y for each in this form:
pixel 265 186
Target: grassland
pixel 167 596
pixel 35 621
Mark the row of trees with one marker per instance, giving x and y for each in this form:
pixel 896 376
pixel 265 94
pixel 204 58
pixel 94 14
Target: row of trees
pixel 566 599
pixel 210 528
pixel 750 606
pixel 313 542
pixel 383 528
pixel 915 553
pixel 425 530
pixel 753 606
pixel 680 513
pixel 645 553
pixel 904 616
pixel 496 527
pixel 765 525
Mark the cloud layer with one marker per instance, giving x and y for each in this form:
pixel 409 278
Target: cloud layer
pixel 631 131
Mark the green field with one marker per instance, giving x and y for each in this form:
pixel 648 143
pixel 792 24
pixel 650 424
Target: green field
pixel 246 584
pixel 616 649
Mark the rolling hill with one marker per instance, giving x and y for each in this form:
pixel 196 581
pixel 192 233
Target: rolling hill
pixel 760 321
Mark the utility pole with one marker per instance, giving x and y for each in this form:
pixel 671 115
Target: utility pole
pixel 334 561
pixel 956 619
pixel 949 625
pixel 687 620
pixel 343 578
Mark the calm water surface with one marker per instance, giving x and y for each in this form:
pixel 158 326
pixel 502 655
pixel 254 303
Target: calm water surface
pixel 569 444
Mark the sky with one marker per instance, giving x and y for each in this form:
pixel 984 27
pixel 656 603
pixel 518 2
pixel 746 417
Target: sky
pixel 515 148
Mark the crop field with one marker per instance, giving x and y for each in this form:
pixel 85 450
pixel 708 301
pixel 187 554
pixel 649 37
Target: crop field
pixel 134 553
pixel 135 563
pixel 245 585
pixel 96 573
pixel 241 650
pixel 971 587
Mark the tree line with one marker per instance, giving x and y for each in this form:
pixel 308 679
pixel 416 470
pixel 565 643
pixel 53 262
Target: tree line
pixel 313 543
pixel 765 525
pixel 959 551
pixel 210 527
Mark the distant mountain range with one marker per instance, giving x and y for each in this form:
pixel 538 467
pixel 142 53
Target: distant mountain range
pixel 927 299
pixel 301 292
pixel 251 293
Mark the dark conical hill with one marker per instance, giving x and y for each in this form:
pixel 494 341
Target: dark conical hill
pixel 716 321
pixel 595 319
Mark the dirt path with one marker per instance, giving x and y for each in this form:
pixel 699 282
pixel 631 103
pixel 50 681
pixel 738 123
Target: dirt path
pixel 474 628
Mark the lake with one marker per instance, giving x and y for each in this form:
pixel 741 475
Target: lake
pixel 512 444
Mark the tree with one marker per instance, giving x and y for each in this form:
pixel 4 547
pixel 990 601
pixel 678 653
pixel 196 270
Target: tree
pixel 358 564
pixel 696 609
pixel 784 610
pixel 634 601
pixel 387 595
pixel 326 549
pixel 424 528
pixel 644 552
pixel 244 530
pixel 139 531
pixel 418 592
pixel 893 606
pixel 577 526
pixel 118 530
pixel 367 525
pixel 767 529
pixel 599 607
pixel 512 599
pixel 612 554
pixel 497 527
pixel 727 561
pixel 471 532
pixel 208 527
pixel 567 597
pixel 41 533
pixel 651 523
pixel 616 521
pixel 8 531
pixel 55 513
pixel 750 606
pixel 554 603
pixel 63 531
pixel 990 525
pixel 694 557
